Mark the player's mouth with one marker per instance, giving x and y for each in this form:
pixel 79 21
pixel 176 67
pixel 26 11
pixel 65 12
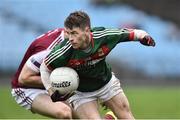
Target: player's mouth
pixel 75 45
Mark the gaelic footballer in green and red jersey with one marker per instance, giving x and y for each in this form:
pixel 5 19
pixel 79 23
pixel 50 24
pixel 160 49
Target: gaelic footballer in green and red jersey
pixel 91 66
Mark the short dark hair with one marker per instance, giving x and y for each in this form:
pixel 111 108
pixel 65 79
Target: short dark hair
pixel 77 19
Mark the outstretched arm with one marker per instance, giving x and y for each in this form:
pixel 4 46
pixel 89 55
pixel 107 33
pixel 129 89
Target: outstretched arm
pixel 114 36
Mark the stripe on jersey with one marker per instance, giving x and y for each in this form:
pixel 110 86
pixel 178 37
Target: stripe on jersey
pixel 106 30
pixel 56 41
pixel 53 56
pixel 57 51
pixel 117 33
pixel 36 63
pixel 23 96
pixel 60 54
pixel 99 34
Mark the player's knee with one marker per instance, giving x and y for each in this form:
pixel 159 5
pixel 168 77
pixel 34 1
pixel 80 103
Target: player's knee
pixel 64 113
pixel 124 112
pixel 125 107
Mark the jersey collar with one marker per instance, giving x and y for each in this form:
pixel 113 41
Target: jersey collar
pixel 92 40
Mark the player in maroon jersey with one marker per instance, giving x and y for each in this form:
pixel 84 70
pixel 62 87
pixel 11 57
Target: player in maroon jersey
pixel 27 88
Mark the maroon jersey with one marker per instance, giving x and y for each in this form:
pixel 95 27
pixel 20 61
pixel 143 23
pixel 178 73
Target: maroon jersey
pixel 45 41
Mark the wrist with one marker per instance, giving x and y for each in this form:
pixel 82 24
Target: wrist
pixel 50 91
pixel 139 34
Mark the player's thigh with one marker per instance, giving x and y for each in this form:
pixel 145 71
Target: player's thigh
pixel 119 105
pixel 43 105
pixel 88 110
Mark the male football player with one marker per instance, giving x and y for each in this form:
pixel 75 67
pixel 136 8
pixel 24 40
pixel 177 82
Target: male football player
pixel 85 50
pixel 27 87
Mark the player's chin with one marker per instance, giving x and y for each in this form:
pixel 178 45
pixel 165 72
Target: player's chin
pixel 75 46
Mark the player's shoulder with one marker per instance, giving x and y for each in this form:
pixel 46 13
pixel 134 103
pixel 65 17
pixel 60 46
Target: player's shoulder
pixel 51 33
pixel 99 29
pixel 48 36
pixel 55 31
pixel 96 29
pixel 64 44
pixel 102 32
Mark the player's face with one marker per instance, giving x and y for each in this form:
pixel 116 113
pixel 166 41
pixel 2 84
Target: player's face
pixel 80 39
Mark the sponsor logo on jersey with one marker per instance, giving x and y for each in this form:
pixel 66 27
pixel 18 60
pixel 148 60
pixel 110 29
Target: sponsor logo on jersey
pixel 90 62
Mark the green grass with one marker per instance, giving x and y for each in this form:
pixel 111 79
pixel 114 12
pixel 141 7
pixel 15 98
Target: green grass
pixel 9 109
pixel 146 103
pixel 157 102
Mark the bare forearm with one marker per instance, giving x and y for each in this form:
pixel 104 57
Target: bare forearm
pixel 33 81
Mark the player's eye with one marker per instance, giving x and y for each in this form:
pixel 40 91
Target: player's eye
pixel 67 32
pixel 73 33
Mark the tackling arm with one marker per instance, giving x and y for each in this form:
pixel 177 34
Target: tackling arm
pixel 30 78
pixel 29 75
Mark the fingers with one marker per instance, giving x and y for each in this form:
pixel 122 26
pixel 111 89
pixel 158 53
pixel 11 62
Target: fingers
pixel 148 41
pixel 56 96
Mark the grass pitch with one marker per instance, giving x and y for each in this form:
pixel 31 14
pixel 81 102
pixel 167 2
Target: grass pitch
pixel 145 102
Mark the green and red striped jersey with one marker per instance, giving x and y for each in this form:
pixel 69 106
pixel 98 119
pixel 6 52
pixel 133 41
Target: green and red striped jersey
pixel 94 72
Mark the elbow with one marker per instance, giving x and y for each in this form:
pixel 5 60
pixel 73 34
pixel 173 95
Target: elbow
pixel 23 80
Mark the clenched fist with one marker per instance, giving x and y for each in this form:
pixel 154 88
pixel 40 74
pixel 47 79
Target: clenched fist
pixel 148 41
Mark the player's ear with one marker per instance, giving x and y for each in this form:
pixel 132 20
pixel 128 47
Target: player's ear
pixel 65 30
pixel 65 34
pixel 87 29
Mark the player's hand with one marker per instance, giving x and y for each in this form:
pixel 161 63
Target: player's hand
pixel 148 41
pixel 56 96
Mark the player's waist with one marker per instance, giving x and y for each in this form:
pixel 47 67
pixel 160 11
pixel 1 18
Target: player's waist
pixel 92 84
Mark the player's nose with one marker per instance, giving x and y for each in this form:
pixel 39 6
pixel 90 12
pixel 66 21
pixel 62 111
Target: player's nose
pixel 71 40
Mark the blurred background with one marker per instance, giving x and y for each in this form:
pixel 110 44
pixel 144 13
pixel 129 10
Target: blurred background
pixel 149 76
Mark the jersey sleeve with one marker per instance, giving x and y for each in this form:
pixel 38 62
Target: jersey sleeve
pixel 48 40
pixel 58 56
pixel 112 37
pixel 35 60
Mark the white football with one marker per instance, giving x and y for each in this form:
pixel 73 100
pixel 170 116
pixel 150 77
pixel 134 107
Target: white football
pixel 64 79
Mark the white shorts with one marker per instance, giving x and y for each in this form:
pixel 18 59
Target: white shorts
pixel 105 93
pixel 24 97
